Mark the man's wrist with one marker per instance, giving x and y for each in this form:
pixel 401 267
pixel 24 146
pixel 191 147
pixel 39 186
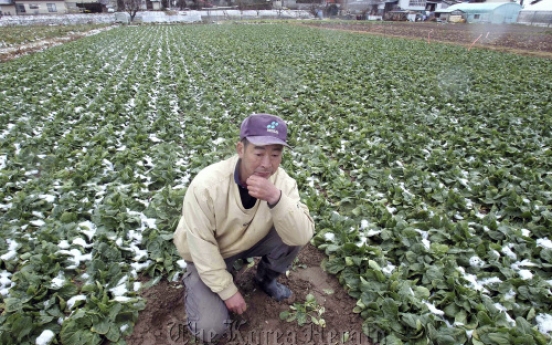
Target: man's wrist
pixel 272 204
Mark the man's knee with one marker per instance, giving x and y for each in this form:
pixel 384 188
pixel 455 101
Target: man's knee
pixel 206 312
pixel 207 317
pixel 208 330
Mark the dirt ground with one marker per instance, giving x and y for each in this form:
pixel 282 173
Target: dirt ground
pixel 163 322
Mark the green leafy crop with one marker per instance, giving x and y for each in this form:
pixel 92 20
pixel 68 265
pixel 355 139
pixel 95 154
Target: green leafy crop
pixel 307 312
pixel 426 167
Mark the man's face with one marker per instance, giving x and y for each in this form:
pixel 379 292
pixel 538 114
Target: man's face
pixel 262 161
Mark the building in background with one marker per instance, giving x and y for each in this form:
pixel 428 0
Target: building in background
pixel 436 5
pixel 87 6
pixel 536 12
pixel 33 7
pixel 487 12
pixel 7 7
pixel 399 10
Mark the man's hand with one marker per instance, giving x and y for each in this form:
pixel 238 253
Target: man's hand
pixel 263 189
pixel 236 304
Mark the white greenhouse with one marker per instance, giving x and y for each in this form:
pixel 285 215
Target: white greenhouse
pixel 488 12
pixel 537 13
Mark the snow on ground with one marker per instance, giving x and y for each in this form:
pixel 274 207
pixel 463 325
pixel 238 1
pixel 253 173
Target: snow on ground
pixel 71 302
pixel 45 337
pixel 544 322
pixel 5 283
pixel 12 252
pixel 545 243
pixel 58 281
pixel 433 309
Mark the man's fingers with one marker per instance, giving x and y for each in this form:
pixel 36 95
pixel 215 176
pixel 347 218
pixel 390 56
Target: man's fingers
pixel 239 310
pixel 256 181
pixel 259 187
pixel 236 304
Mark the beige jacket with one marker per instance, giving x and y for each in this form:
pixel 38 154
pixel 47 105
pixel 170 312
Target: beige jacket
pixel 214 225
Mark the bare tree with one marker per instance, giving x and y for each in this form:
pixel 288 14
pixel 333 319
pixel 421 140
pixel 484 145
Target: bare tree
pixel 181 4
pixel 316 9
pixel 132 7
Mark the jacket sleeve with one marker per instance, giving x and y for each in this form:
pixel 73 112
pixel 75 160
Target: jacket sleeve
pixel 199 220
pixel 291 217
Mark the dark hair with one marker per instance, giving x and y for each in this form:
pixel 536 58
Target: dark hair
pixel 245 142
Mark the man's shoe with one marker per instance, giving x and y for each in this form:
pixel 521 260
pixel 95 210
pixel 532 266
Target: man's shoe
pixel 267 280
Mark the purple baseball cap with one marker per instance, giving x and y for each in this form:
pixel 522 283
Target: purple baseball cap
pixel 264 129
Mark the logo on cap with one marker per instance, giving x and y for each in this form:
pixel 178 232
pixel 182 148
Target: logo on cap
pixel 271 127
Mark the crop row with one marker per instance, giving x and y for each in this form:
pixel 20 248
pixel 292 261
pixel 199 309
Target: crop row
pixel 14 35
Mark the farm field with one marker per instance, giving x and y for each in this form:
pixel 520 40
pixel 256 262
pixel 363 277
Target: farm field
pixel 16 41
pixel 517 38
pixel 13 35
pixel 426 166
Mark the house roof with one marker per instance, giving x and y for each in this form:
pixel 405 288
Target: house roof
pixel 477 7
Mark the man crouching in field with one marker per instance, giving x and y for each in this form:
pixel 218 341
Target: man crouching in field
pixel 242 207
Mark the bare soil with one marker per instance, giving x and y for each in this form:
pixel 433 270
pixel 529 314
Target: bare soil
pixel 164 320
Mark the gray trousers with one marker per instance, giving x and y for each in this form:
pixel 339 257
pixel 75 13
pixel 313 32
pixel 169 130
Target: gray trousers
pixel 208 317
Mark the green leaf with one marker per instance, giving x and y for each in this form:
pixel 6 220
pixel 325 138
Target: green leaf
pixel 357 309
pixel 484 319
pixel 374 265
pixel 13 305
pixel 301 318
pixel 79 337
pixel 499 338
pixel 21 325
pixel 101 327
pixel 445 339
pixel 113 334
pixel 412 321
pixel 335 266
pixel 390 308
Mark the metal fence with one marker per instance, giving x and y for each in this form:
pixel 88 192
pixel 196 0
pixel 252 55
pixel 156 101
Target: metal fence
pixel 537 18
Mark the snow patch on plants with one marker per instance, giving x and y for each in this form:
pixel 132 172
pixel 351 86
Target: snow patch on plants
pixel 45 337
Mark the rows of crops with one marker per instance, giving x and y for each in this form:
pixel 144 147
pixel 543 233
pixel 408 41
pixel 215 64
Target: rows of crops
pixel 14 35
pixel 427 168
